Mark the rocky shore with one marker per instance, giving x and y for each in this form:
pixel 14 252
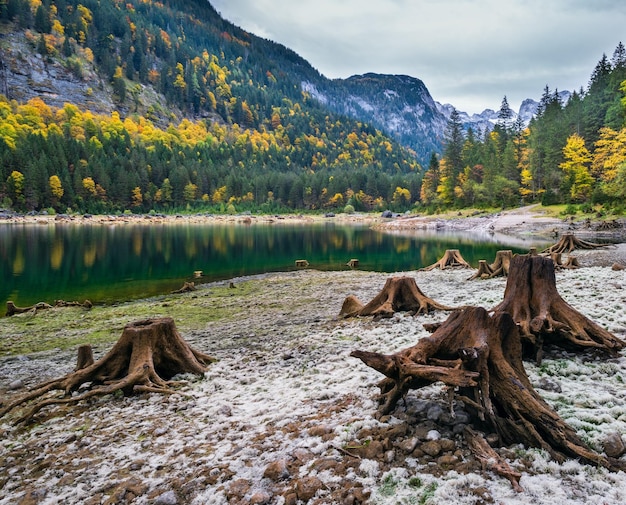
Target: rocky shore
pixel 286 416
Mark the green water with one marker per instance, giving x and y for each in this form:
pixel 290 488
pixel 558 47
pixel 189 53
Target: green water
pixel 107 263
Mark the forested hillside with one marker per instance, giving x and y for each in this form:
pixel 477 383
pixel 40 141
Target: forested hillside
pixel 164 106
pixel 236 131
pixel 573 152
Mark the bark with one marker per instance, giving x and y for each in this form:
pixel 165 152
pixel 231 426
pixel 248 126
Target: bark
pixel 569 242
pixel 400 294
pixel 532 299
pixel 452 258
pixel 147 355
pixel 480 356
pixel 12 309
pixel 500 266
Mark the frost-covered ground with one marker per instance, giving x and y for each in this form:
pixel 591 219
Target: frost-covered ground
pixel 276 418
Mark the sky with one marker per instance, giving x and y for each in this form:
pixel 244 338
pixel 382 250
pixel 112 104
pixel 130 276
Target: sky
pixel 469 53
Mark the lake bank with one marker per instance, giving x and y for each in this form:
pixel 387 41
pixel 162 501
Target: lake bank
pixel 285 405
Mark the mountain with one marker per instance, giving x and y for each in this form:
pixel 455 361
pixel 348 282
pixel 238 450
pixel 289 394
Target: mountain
pixel 399 105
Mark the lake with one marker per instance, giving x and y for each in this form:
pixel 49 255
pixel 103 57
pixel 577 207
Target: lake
pixel 105 263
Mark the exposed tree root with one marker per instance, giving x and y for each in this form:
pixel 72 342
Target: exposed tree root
pixel 543 316
pixel 481 357
pixel 146 356
pixel 451 259
pixel 400 294
pixel 569 242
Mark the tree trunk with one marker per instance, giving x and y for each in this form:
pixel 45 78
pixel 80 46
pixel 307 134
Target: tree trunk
pixel 399 294
pixel 482 357
pixel 543 316
pixel 146 356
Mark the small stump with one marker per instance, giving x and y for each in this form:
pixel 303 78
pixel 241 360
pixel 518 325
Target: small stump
pixel 302 263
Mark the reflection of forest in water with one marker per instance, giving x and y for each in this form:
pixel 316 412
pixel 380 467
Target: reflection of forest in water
pixel 114 262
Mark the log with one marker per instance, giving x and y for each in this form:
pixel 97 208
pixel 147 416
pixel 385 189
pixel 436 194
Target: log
pixel 451 259
pixel 12 309
pixel 481 357
pixel 185 288
pixel 147 355
pixel 399 294
pixel 532 299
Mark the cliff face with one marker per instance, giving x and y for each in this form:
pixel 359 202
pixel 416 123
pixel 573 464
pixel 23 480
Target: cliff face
pixel 26 74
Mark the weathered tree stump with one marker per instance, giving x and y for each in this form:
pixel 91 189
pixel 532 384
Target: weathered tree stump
pixel 482 357
pixel 451 259
pixel 400 294
pixel 484 271
pixel 185 288
pixel 569 242
pixel 532 299
pixel 502 263
pixel 556 258
pixel 571 263
pixel 500 266
pixel 147 355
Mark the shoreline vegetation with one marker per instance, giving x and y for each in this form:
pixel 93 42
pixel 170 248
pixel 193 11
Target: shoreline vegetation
pixel 285 415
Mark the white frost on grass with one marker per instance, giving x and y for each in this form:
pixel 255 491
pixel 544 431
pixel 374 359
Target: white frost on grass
pixel 267 393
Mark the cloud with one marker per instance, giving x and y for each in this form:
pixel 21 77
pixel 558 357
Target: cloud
pixel 468 52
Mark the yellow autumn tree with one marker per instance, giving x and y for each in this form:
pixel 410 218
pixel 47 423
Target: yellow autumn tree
pixel 56 188
pixel 576 166
pixel 137 197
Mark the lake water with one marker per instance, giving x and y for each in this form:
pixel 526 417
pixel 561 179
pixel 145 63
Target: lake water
pixel 108 263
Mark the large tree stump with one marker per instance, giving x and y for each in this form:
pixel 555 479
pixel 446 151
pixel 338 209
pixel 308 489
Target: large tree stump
pixel 569 242
pixel 543 316
pixel 147 355
pixel 452 258
pixel 400 294
pixel 482 357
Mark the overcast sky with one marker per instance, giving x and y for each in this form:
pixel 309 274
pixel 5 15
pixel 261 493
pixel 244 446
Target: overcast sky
pixel 470 53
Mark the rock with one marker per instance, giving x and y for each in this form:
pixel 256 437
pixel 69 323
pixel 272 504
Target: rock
pixel 318 431
pixel 614 445
pixel 432 448
pixel 167 498
pixel 433 435
pixel 16 384
pixel 447 444
pixel 277 470
pixel 409 445
pixel 307 487
pixel 447 460
pixel 260 498
pixel 434 413
pixel 617 267
pixel 549 385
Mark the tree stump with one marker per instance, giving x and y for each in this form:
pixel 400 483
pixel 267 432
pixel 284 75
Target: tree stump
pixel 502 263
pixel 185 288
pixel 147 355
pixel 452 258
pixel 532 299
pixel 500 266
pixel 569 242
pixel 398 295
pixel 571 263
pixel 484 271
pixel 482 357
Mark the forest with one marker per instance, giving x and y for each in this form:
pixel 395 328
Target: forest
pixel 249 139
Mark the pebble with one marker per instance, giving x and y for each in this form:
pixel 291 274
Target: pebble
pixel 16 384
pixel 167 498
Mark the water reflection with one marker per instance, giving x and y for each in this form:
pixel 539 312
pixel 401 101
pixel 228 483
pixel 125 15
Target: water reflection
pixel 116 262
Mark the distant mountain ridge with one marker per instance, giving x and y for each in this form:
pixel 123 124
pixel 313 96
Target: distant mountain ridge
pixel 400 106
